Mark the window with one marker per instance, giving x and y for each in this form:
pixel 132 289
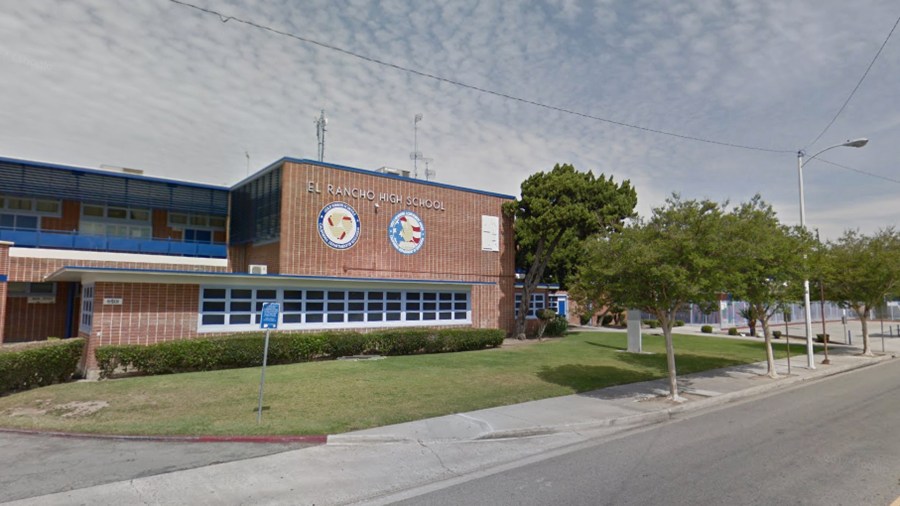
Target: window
pixel 19 222
pixel 31 289
pixel 17 213
pixel 537 303
pixel 115 221
pixel 87 308
pixel 239 308
pixel 199 228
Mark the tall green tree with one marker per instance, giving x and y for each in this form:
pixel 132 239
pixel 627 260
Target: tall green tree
pixel 861 271
pixel 661 265
pixel 764 259
pixel 559 208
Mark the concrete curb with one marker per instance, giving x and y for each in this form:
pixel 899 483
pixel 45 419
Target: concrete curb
pixel 319 439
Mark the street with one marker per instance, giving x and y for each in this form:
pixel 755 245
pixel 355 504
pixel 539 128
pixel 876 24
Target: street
pixel 830 442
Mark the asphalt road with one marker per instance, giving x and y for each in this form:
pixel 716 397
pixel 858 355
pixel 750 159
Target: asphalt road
pixel 832 442
pixel 38 465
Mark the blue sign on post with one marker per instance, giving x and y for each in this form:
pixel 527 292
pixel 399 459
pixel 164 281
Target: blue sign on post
pixel 269 317
pixel 268 320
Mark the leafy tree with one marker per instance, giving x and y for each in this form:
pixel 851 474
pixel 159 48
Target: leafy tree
pixel 765 258
pixel 661 265
pixel 558 208
pixel 860 271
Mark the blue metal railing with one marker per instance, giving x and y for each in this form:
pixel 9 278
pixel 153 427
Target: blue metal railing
pixel 74 240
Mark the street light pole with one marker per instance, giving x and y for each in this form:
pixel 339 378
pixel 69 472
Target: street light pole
pixel 856 143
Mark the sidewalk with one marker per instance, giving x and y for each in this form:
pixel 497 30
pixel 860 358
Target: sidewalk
pixel 381 465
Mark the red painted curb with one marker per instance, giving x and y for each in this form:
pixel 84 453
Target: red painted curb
pixel 316 439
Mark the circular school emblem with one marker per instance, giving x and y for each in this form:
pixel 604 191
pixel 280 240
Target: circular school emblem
pixel 406 232
pixel 339 225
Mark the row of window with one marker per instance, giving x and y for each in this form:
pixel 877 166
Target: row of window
pixel 104 220
pixel 230 307
pixel 47 207
pixel 539 301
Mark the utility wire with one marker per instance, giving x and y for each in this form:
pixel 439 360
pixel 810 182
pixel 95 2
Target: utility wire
pixel 861 79
pixel 224 18
pixel 859 171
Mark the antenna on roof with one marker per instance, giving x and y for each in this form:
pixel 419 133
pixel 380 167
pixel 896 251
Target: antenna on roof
pixel 247 154
pixel 321 121
pixel 416 155
pixel 429 173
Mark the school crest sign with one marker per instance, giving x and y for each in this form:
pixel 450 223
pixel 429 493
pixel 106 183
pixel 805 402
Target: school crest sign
pixel 406 232
pixel 339 225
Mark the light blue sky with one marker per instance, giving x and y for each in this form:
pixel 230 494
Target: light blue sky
pixel 164 88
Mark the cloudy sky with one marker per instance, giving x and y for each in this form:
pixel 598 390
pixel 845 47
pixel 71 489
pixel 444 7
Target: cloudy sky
pixel 179 93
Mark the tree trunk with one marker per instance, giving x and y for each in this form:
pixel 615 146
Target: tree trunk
pixel 770 355
pixel 666 322
pixel 863 313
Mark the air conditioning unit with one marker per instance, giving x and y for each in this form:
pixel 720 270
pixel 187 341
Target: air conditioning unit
pixel 259 269
pixel 392 170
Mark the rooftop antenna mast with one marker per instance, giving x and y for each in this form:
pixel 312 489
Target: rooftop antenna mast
pixel 416 155
pixel 247 154
pixel 429 173
pixel 321 121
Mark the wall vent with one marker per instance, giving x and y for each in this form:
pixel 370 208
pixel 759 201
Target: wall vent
pixel 259 269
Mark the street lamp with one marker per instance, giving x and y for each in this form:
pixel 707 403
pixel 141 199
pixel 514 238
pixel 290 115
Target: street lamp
pixel 855 143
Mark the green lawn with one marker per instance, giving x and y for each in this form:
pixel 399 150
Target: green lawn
pixel 339 396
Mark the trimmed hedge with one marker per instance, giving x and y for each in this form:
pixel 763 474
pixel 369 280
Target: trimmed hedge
pixel 246 350
pixel 39 365
pixel 706 329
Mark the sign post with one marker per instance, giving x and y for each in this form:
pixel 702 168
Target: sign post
pixel 268 320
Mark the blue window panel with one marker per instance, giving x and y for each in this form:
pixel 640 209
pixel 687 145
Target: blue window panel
pixel 122 244
pixel 155 247
pixel 212 250
pixel 56 240
pixel 94 242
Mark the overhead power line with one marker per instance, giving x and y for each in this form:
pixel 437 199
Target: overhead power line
pixel 225 18
pixel 860 171
pixel 861 79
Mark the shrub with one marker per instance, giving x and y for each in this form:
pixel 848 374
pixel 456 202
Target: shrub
pixel 44 364
pixel 679 323
pixel 732 331
pixel 607 319
pixel 651 323
pixel 776 334
pixel 246 350
pixel 706 329
pixel 585 318
pixel 557 327
pixel 822 338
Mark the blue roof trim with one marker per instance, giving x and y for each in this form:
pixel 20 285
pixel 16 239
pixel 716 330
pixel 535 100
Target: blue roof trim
pixel 268 276
pixel 32 163
pixel 280 162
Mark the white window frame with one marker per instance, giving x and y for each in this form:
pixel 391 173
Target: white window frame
pixel 32 210
pixel 320 308
pixel 144 227
pixel 538 301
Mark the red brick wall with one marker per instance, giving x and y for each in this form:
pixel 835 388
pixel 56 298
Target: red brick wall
pixel 37 322
pixel 150 313
pixel 452 248
pixel 71 215
pixel 4 287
